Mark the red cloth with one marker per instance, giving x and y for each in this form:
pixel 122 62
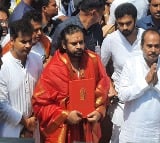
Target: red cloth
pixel 51 98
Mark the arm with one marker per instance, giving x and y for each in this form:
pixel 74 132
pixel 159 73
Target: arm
pixel 105 51
pixel 7 112
pixel 50 97
pixel 132 86
pixel 101 93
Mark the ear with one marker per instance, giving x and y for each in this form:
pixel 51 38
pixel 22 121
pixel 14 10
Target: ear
pixel 93 12
pixel 11 38
pixel 63 45
pixel 44 8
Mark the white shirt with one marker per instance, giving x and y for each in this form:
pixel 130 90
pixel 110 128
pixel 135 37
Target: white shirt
pixel 142 103
pixel 117 47
pixel 16 88
pixel 141 5
pixel 39 50
pixel 5 40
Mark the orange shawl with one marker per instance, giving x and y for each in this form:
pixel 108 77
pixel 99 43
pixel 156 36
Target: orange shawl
pixel 51 98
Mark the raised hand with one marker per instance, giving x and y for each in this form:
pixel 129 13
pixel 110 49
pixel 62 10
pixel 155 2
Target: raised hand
pixel 151 77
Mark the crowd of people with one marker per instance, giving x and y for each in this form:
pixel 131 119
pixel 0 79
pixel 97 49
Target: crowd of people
pixel 114 45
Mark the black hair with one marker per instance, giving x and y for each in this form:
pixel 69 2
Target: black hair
pixel 5 3
pixel 33 15
pixel 20 26
pixel 68 30
pixel 87 5
pixel 5 10
pixel 126 9
pixel 40 3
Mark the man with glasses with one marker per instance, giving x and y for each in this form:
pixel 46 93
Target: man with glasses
pixel 119 46
pixel 4 15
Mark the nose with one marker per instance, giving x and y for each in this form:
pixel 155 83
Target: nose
pixel 39 32
pixel 158 8
pixel 153 49
pixel 125 27
pixel 78 46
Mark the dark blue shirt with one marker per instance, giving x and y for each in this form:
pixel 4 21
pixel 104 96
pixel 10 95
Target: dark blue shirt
pixel 19 11
pixel 93 34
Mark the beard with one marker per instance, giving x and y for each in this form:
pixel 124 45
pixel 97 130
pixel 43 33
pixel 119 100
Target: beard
pixel 127 32
pixel 76 54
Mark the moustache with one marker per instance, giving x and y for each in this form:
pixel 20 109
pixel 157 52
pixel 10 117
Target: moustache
pixel 126 32
pixel 154 54
pixel 79 52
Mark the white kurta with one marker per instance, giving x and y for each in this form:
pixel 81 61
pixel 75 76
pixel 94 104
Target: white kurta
pixel 142 103
pixel 16 88
pixel 116 46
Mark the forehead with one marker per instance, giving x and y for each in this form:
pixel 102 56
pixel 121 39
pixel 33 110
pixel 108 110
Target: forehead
pixel 152 37
pixel 155 1
pixel 125 18
pixel 24 36
pixel 3 15
pixel 52 2
pixel 36 24
pixel 74 37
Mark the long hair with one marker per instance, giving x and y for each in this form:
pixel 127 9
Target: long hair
pixel 68 30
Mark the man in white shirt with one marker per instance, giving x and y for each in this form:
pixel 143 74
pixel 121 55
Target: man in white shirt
pixel 140 91
pixel 18 76
pixel 120 46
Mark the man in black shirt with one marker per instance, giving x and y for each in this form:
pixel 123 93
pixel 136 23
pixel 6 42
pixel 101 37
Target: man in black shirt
pixel 90 14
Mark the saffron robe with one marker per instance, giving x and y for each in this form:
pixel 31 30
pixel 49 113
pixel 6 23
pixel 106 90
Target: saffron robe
pixel 51 98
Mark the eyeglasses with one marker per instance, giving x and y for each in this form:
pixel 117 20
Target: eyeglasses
pixel 3 22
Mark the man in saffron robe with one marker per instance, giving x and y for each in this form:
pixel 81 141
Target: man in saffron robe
pixel 51 97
